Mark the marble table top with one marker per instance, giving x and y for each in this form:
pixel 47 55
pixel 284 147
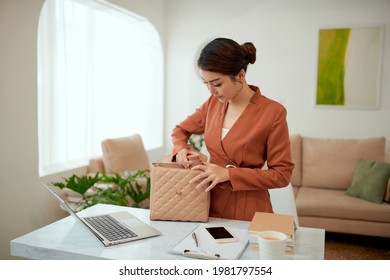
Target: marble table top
pixel 69 239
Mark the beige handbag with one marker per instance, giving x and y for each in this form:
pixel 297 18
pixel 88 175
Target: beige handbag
pixel 173 198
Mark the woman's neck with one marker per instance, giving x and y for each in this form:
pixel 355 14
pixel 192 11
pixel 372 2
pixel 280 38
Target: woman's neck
pixel 243 97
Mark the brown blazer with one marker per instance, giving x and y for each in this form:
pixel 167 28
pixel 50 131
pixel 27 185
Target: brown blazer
pixel 260 135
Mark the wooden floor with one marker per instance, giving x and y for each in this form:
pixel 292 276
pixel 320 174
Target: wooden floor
pixel 340 246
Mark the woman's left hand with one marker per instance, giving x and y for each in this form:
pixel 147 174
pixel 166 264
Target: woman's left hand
pixel 213 174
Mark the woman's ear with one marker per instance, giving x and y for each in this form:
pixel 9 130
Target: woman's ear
pixel 241 75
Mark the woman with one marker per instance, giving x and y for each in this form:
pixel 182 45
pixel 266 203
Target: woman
pixel 242 130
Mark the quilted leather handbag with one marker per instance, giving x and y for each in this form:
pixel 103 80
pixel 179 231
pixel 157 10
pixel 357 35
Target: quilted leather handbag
pixel 173 198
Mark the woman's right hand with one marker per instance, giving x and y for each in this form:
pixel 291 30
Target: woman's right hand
pixel 183 158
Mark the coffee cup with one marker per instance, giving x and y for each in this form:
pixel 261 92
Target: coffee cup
pixel 272 245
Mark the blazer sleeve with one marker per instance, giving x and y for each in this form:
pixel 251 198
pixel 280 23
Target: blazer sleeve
pixel 193 124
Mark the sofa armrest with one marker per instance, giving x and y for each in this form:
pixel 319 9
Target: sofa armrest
pixel 95 165
pixel 296 157
pixel 387 193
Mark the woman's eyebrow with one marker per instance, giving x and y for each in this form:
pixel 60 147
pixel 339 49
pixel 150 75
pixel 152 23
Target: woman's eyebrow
pixel 213 80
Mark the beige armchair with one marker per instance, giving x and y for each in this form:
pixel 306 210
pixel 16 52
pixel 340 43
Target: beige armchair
pixel 119 155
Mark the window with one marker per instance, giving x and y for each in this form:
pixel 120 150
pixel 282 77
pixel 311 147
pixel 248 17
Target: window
pixel 100 75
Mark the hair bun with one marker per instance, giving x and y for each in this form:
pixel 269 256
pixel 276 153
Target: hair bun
pixel 226 56
pixel 250 51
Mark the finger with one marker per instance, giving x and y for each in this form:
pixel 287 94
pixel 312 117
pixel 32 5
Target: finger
pixel 212 185
pixel 199 167
pixel 205 183
pixel 182 159
pixel 185 164
pixel 198 178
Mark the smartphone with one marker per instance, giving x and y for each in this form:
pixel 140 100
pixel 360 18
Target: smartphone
pixel 220 234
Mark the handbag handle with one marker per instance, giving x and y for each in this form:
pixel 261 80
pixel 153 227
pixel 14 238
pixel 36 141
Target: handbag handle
pixel 167 164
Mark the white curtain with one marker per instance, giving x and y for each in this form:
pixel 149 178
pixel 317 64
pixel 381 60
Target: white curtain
pixel 100 76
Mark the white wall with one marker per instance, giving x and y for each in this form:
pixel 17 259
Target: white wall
pixel 284 31
pixel 25 205
pixel 285 34
pixel 22 207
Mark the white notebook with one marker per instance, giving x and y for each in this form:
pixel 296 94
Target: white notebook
pixel 208 249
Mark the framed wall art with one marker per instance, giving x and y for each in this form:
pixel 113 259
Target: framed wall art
pixel 349 67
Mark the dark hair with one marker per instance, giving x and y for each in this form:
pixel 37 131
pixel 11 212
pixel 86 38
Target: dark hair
pixel 226 56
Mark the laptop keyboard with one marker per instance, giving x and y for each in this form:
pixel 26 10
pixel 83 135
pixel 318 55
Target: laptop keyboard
pixel 110 228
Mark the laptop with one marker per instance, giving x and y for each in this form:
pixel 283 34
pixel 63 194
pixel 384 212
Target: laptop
pixel 113 228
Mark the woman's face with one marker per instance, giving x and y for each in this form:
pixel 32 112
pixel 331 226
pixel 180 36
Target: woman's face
pixel 221 86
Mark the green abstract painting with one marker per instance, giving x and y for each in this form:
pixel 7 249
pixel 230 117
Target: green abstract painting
pixel 349 61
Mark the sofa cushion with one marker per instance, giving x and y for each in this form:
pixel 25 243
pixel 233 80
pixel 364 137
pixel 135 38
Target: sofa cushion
pixel 331 163
pixel 370 180
pixel 317 202
pixel 296 153
pixel 124 154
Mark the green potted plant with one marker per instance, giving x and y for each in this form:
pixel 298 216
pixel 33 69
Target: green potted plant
pixel 130 184
pixel 109 188
pixel 196 141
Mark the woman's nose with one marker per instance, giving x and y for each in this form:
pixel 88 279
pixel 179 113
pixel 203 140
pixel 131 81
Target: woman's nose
pixel 213 90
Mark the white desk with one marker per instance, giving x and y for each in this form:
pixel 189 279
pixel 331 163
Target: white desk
pixel 68 239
